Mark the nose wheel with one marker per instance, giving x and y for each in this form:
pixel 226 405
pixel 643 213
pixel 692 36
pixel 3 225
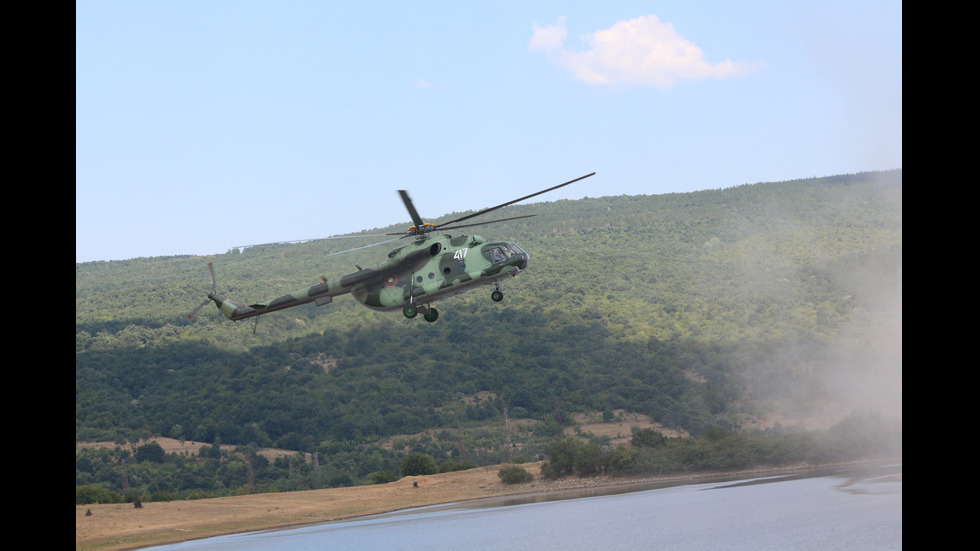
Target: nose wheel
pixel 497 295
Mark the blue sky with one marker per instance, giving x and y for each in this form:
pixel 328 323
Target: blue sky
pixel 200 126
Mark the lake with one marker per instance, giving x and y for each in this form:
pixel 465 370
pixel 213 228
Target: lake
pixel 847 509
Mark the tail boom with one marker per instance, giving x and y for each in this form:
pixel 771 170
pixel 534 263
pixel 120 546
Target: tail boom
pixel 321 293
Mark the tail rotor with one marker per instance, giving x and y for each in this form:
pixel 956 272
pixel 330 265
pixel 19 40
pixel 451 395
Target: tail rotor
pixel 197 310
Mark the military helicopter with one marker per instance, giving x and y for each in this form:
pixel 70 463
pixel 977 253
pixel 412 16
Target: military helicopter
pixel 434 266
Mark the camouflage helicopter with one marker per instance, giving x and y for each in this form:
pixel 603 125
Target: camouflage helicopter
pixel 432 267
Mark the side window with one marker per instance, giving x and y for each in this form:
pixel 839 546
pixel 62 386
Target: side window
pixel 496 255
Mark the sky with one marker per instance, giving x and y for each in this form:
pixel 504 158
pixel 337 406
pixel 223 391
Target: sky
pixel 203 126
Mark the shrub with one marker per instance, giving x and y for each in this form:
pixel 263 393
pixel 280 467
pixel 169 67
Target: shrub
pixel 514 475
pixel 648 438
pixel 415 464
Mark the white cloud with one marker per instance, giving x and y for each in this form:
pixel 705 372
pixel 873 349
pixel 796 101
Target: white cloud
pixel 550 37
pixel 641 51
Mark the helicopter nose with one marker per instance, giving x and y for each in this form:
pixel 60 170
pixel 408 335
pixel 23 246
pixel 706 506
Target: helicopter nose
pixel 522 263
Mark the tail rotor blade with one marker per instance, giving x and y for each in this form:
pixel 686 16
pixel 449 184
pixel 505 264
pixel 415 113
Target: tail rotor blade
pixel 197 310
pixel 211 274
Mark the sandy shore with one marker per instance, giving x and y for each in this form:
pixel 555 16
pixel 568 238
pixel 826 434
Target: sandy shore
pixel 122 526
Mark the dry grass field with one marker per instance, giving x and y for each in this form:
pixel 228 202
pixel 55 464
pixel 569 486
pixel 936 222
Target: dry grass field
pixel 122 526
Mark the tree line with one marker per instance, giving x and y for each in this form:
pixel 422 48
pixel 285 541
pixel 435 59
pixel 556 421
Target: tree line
pixel 145 473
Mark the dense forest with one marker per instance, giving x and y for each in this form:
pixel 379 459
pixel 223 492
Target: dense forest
pixel 712 313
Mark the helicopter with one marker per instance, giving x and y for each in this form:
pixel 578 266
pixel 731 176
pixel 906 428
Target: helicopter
pixel 434 266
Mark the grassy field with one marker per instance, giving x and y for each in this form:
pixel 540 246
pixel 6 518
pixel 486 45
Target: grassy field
pixel 123 526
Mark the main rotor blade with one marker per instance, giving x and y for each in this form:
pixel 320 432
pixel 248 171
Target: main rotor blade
pixel 366 246
pixel 484 211
pixel 295 241
pixel 411 208
pixel 487 222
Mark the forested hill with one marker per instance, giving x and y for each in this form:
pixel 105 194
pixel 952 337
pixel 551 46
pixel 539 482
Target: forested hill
pixel 714 308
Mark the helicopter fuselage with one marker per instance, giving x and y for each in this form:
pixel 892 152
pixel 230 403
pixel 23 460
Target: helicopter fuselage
pixel 413 276
pixel 434 268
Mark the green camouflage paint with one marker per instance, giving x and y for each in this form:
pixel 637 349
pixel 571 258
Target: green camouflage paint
pixel 427 270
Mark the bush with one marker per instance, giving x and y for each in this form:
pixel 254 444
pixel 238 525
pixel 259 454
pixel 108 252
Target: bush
pixel 415 464
pixel 514 475
pixel 648 438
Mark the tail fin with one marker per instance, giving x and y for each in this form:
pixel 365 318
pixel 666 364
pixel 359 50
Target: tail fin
pixel 233 310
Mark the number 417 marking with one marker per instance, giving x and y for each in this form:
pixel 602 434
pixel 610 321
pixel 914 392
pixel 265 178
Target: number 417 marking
pixel 460 254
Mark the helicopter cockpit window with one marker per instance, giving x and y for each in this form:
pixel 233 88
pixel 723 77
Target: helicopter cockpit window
pixel 497 255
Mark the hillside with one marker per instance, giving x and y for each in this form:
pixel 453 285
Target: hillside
pixel 759 306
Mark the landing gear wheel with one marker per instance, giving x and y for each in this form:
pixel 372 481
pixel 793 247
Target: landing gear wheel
pixel 410 311
pixel 432 315
pixel 497 296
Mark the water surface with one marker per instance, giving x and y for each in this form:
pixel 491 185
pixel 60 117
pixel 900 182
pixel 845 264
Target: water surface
pixel 843 510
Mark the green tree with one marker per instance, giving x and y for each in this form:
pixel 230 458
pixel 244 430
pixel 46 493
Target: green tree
pixel 415 464
pixel 152 452
pixel 590 460
pixel 562 456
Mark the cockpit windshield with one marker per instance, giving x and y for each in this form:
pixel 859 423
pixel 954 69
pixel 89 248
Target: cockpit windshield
pixel 504 252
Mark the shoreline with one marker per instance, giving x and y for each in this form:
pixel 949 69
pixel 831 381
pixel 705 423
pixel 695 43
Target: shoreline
pixel 122 527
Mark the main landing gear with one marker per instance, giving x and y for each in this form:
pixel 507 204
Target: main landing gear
pixel 428 314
